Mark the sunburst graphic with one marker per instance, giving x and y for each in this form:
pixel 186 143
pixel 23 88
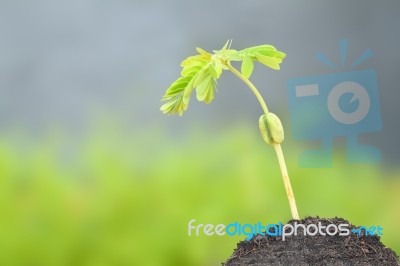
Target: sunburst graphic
pixel 343 44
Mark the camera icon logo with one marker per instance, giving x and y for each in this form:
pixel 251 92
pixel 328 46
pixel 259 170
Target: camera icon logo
pixel 339 104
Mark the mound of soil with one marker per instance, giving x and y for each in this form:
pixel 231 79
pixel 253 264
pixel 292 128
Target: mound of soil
pixel 352 249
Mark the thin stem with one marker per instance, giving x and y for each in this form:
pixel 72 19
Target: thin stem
pixel 286 181
pixel 251 86
pixel 277 147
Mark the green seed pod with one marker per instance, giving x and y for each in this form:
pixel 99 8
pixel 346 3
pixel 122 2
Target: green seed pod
pixel 271 129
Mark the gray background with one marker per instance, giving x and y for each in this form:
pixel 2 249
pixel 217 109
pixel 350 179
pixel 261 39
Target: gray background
pixel 62 61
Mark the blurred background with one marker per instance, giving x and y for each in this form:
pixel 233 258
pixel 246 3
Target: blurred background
pixel 92 173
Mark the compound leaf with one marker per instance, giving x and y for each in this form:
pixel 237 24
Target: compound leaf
pixel 201 72
pixel 195 73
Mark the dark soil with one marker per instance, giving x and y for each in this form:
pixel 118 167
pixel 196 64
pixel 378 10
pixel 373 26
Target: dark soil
pixel 352 249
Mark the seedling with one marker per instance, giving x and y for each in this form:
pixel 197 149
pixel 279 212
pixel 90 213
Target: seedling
pixel 202 71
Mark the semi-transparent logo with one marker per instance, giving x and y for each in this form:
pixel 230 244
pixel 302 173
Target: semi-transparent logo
pixel 338 104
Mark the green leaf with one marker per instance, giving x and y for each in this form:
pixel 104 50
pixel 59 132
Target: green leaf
pixel 175 96
pixel 247 66
pixel 196 72
pixel 201 75
pixel 167 107
pixel 190 70
pixel 203 53
pixel 176 87
pixel 173 106
pixel 255 49
pixel 186 96
pixel 194 60
pixel 210 91
pixel 269 61
pixel 273 53
pixel 202 89
pixel 215 70
pixel 205 91
pixel 201 72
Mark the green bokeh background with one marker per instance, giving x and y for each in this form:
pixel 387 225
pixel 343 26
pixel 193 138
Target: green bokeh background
pixel 125 198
